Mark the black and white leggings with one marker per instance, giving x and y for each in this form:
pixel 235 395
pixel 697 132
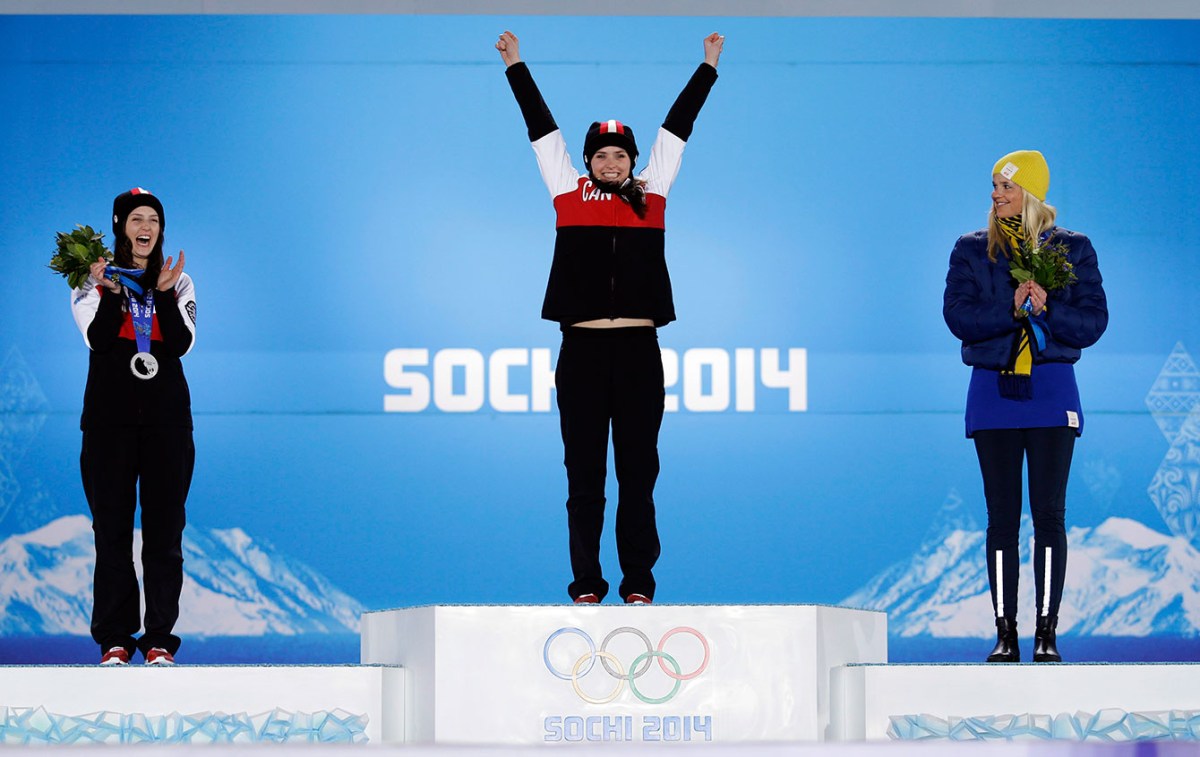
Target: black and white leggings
pixel 1002 453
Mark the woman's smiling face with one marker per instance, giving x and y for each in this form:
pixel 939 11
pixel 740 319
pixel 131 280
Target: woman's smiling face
pixel 611 164
pixel 143 227
pixel 1007 198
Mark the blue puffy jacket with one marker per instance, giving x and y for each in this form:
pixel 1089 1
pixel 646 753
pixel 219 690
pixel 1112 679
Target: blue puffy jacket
pixel 978 303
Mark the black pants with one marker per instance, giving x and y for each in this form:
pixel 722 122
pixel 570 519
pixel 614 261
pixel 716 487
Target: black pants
pixel 117 464
pixel 611 376
pixel 1048 451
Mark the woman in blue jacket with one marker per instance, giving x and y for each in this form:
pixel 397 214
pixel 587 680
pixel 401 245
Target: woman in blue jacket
pixel 1023 403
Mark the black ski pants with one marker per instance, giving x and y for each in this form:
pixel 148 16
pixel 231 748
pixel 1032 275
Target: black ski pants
pixel 611 377
pixel 120 465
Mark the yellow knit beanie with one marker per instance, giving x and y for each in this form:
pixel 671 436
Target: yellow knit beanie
pixel 1027 169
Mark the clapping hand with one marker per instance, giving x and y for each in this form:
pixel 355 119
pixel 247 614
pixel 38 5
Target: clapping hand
pixel 168 276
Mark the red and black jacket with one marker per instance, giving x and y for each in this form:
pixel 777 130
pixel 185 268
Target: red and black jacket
pixel 608 261
pixel 114 396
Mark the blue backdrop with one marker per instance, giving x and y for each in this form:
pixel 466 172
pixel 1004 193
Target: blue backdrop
pixel 345 187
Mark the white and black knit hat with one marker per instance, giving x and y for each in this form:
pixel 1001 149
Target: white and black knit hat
pixel 610 133
pixel 125 203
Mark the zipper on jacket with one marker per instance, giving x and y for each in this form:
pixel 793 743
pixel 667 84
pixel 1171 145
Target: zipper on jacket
pixel 612 279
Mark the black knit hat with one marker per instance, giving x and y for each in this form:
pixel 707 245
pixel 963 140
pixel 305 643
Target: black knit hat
pixel 125 203
pixel 609 134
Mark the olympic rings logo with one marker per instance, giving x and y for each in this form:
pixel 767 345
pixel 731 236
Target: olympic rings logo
pixel 612 665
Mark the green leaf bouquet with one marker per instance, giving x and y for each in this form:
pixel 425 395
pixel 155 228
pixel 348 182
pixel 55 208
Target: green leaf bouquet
pixel 75 253
pixel 1044 264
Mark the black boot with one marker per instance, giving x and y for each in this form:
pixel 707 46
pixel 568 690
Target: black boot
pixel 1006 642
pixel 1045 648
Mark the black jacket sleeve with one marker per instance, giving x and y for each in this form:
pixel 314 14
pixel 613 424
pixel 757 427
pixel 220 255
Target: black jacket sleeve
pixel 537 116
pixel 683 113
pixel 176 336
pixel 106 325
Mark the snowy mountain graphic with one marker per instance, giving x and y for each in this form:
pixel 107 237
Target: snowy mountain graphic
pixel 232 585
pixel 1123 579
pixel 25 503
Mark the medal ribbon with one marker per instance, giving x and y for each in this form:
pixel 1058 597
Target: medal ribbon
pixel 142 314
pixel 127 276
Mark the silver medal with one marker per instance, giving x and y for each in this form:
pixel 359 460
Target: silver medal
pixel 144 365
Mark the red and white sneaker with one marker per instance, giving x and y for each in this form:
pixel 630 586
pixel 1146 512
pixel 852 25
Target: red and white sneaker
pixel 159 656
pixel 587 599
pixel 115 656
pixel 638 599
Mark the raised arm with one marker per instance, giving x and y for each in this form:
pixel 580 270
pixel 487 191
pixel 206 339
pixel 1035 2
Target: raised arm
pixel 547 141
pixel 682 116
pixel 667 152
pixel 537 116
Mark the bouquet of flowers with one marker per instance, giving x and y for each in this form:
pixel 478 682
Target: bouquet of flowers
pixel 1044 264
pixel 75 253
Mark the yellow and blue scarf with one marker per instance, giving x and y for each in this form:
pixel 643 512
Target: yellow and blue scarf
pixel 1015 379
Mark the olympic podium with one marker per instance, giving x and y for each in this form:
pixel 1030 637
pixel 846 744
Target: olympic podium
pixel 1078 702
pixel 487 674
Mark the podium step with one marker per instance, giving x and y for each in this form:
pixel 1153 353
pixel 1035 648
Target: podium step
pixel 191 704
pixel 1078 702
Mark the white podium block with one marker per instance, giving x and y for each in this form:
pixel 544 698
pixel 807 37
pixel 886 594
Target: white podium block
pixel 202 703
pixel 1073 701
pixel 553 674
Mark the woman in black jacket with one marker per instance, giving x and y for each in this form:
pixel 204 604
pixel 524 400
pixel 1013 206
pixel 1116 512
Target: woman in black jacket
pixel 1023 403
pixel 608 290
pixel 137 429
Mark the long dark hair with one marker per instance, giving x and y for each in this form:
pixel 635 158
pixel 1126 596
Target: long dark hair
pixel 632 191
pixel 123 257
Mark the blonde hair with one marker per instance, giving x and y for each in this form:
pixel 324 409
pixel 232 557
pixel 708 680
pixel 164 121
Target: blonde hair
pixel 1036 217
